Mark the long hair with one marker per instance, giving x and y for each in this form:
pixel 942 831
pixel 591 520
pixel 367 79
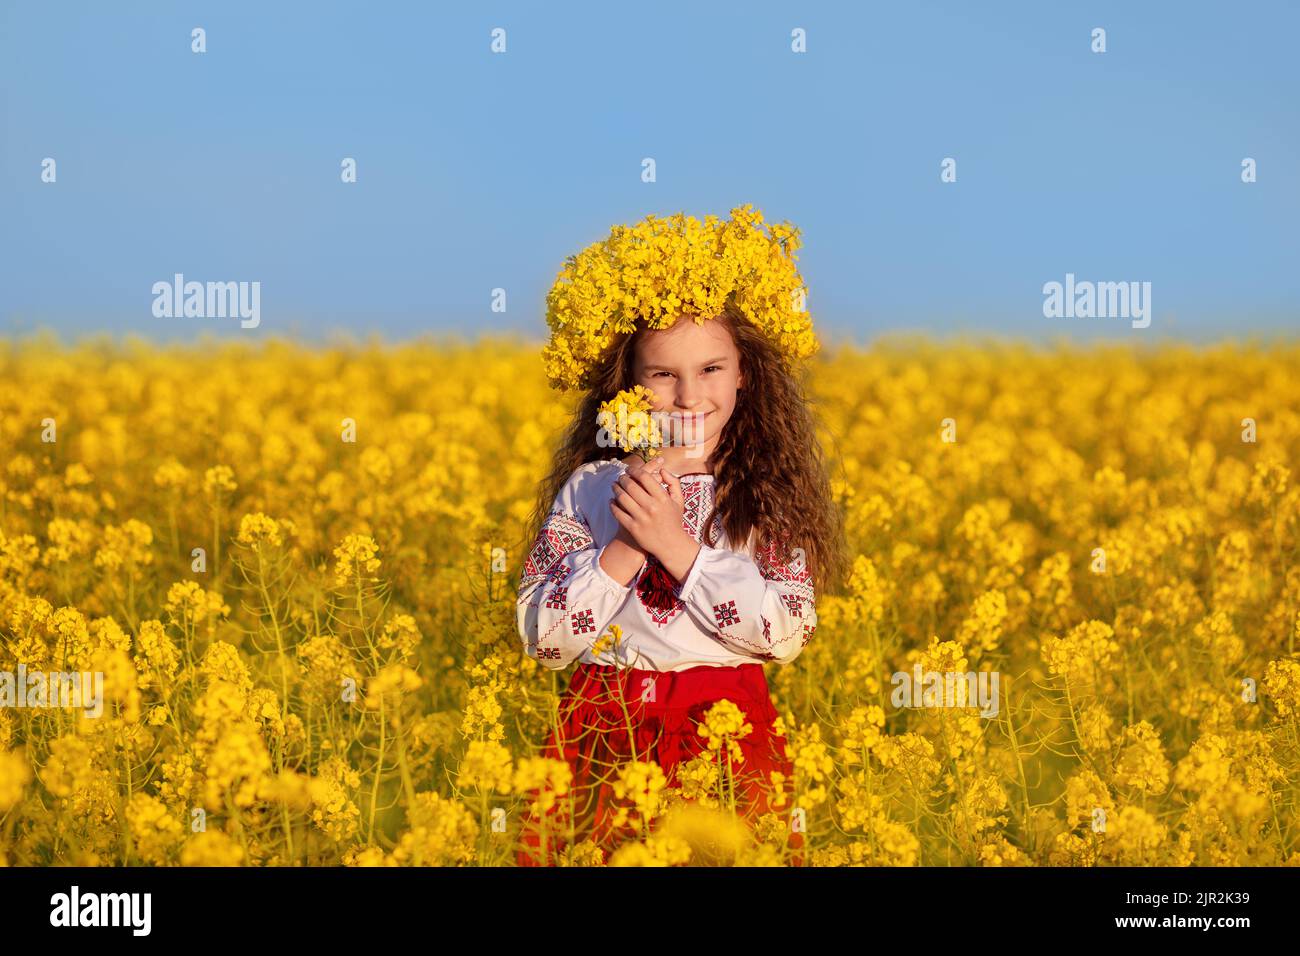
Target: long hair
pixel 769 472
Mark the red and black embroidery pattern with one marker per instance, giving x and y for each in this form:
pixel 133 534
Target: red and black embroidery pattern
pixel 560 534
pixel 658 591
pixel 697 500
pixel 794 603
pixel 725 614
pixel 797 596
pixel 790 571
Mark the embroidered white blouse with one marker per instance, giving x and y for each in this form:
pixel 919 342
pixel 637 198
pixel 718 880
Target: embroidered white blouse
pixel 734 607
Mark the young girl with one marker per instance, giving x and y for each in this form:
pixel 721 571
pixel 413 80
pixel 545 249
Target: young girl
pixel 635 571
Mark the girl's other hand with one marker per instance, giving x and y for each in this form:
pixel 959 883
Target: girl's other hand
pixel 648 504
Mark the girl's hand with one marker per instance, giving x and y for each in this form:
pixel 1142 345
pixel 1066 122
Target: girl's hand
pixel 650 512
pixel 624 538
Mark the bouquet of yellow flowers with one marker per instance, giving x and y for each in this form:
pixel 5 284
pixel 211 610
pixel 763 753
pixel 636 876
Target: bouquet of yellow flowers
pixel 626 420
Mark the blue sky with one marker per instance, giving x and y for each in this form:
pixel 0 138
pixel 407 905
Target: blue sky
pixel 478 171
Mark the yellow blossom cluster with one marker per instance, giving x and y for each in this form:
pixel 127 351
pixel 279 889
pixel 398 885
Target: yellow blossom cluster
pixel 308 650
pixel 661 269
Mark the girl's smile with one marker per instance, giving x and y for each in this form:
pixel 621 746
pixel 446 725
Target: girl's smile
pixel 687 425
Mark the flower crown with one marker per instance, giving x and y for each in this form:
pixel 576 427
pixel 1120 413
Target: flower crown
pixel 661 269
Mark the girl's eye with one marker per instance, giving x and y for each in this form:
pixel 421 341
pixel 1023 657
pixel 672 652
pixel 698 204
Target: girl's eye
pixel 709 369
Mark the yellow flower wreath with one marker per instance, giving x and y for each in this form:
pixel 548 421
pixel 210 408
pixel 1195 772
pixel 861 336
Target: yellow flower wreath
pixel 661 269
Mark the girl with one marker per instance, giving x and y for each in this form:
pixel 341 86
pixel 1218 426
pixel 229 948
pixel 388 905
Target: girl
pixel 633 573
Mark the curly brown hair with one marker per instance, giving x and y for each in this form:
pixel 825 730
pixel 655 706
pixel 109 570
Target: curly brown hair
pixel 773 479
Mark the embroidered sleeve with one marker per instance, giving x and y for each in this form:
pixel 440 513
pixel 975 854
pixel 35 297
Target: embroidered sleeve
pixel 566 599
pixel 764 607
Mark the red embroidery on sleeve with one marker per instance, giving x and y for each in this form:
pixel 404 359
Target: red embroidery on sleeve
pixel 793 574
pixel 559 599
pixel 725 614
pixel 561 533
pixel 794 603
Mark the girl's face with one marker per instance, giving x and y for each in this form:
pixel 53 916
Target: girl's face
pixel 694 370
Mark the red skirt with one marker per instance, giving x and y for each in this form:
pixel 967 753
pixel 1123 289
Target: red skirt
pixel 663 709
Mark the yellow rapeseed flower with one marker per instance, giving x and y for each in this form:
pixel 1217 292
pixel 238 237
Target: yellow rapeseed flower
pixel 628 423
pixel 661 269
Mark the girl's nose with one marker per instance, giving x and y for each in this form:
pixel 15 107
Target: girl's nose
pixel 688 396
